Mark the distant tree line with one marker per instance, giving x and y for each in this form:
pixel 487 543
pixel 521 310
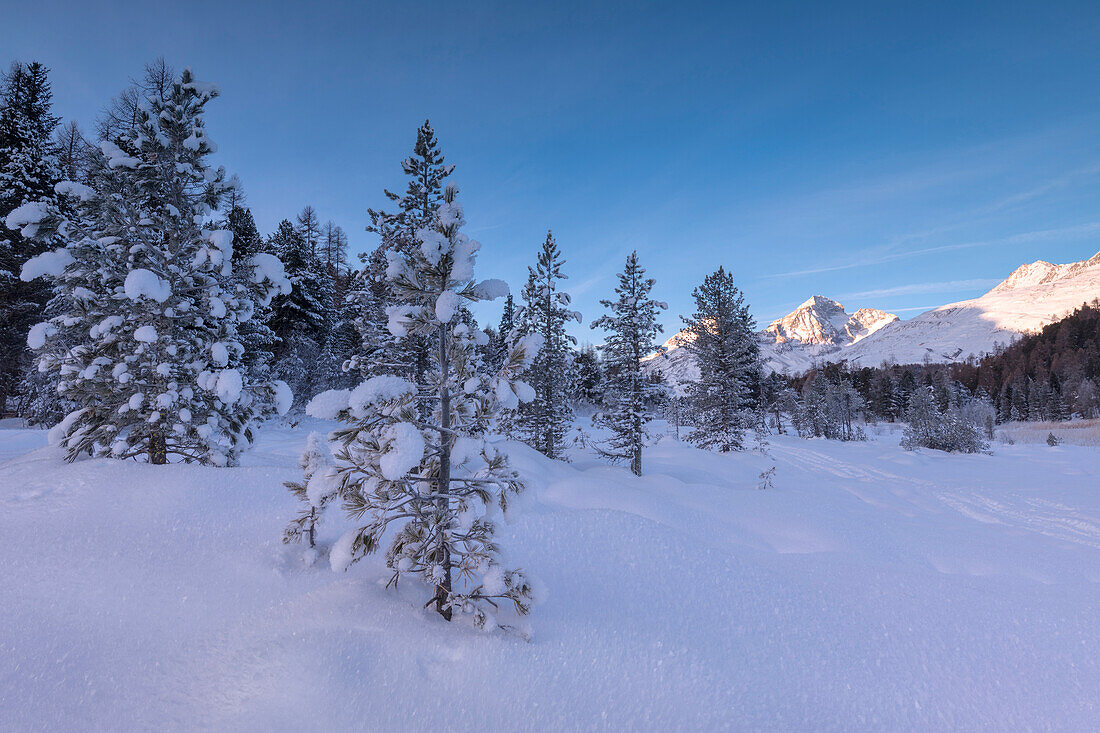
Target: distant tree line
pixel 333 324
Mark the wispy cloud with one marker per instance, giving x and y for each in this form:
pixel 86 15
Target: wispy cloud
pixel 602 272
pixel 1042 189
pixel 945 286
pixel 484 228
pixel 1073 232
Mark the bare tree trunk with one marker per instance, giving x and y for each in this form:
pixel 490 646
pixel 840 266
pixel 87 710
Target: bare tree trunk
pixel 421 350
pixel 158 449
pixel 636 449
pixel 637 406
pixel 443 588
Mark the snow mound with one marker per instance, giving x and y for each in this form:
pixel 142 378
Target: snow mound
pixel 376 390
pixel 229 386
pixel 142 283
pixel 27 217
pixel 491 289
pixel 328 404
pixel 284 397
pixel 36 337
pixel 267 268
pixel 145 334
pixel 446 306
pixel 47 264
pixel 404 446
pixel 116 158
pixel 74 190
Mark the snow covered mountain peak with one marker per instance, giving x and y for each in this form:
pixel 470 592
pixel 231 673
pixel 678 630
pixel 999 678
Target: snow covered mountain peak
pixel 1031 297
pixel 819 320
pixel 812 332
pixel 1030 274
pixel 1041 272
pixel 823 321
pixel 819 302
pixel 866 321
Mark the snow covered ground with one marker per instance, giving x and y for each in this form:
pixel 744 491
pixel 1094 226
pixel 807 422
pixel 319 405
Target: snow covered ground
pixel 870 589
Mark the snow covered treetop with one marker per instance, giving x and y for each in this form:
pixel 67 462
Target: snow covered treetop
pixel 434 278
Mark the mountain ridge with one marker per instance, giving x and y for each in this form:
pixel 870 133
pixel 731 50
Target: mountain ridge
pixel 1032 296
pixel 820 329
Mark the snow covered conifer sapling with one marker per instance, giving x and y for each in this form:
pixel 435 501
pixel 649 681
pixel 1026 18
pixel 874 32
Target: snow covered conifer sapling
pixel 146 343
pixel 430 475
pixel 767 478
pixel 318 487
pixel 427 174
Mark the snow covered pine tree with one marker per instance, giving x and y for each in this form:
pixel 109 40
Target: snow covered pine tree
pixel 298 318
pixel 147 344
pixel 544 421
pixel 631 326
pixel 504 334
pixel 28 175
pixel 431 472
pixel 255 335
pixel 725 349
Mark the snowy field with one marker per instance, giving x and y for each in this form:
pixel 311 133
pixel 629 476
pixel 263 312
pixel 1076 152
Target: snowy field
pixel 1076 432
pixel 870 589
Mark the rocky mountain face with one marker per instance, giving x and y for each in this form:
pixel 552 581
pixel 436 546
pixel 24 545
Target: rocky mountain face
pixel 821 321
pixel 1041 272
pixel 817 328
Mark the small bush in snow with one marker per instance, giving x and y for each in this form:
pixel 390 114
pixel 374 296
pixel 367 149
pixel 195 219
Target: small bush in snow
pixel 929 427
pixel 767 478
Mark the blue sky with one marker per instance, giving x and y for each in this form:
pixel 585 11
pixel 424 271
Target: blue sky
pixel 887 155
